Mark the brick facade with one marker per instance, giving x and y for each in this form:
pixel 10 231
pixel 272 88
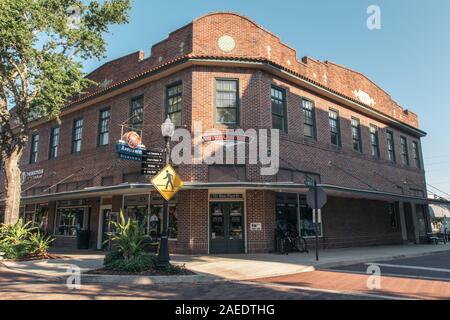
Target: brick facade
pixel 192 55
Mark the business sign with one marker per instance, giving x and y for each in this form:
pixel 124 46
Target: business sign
pixel 227 139
pixel 127 153
pixel 132 139
pixel 32 175
pixel 255 226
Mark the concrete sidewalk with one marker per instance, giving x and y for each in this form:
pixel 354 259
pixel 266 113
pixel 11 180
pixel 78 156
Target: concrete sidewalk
pixel 229 267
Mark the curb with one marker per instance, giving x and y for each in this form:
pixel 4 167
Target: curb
pixel 373 259
pixel 144 280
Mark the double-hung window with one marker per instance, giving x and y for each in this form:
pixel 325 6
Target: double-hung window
pixel 416 154
pixel 174 103
pixel 77 135
pixel 390 146
pixel 103 127
pixel 309 119
pixel 227 102
pixel 34 148
pixel 136 113
pixel 404 148
pixel 335 131
pixel 278 97
pixel 374 142
pixel 54 142
pixel 356 135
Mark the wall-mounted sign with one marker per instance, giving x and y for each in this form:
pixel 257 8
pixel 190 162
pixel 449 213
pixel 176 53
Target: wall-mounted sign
pixel 32 175
pixel 227 139
pixel 127 153
pixel 255 226
pixel 132 139
pixel 226 196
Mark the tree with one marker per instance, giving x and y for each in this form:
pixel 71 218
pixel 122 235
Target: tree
pixel 41 45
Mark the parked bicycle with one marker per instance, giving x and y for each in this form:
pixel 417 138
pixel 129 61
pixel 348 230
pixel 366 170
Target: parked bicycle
pixel 291 241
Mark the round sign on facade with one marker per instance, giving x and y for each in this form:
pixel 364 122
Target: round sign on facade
pixel 132 139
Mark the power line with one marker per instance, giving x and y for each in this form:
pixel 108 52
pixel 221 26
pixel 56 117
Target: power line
pixel 438 189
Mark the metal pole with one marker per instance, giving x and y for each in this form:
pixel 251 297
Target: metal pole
pixel 163 255
pixel 317 220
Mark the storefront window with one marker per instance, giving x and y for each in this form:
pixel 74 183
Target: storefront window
pixel 307 228
pixel 41 217
pixel 139 214
pixel 69 220
pixel 137 209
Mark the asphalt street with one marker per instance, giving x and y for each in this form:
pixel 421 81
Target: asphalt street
pixel 434 266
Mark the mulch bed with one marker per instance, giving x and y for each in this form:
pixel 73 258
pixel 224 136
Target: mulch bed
pixel 34 258
pixel 153 272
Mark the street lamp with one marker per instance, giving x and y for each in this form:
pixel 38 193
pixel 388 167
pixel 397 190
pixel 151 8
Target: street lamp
pixel 167 130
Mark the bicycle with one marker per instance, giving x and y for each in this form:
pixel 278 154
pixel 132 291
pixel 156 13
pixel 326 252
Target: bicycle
pixel 292 241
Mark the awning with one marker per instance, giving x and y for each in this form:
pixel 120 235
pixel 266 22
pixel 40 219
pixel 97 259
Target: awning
pixel 332 190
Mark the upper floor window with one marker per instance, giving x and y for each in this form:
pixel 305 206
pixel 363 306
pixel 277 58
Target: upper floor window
pixel 103 127
pixel 309 119
pixel 374 141
pixel 390 146
pixel 174 103
pixel 356 135
pixel 227 101
pixel 136 113
pixel 34 148
pixel 77 135
pixel 278 97
pixel 404 148
pixel 335 130
pixel 54 142
pixel 416 154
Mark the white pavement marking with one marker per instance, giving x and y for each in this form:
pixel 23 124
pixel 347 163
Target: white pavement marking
pixel 394 275
pixel 409 267
pixel 350 293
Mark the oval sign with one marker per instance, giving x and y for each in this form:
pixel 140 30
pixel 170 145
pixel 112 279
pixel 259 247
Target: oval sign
pixel 132 139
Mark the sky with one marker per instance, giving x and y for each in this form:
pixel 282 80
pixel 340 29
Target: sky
pixel 409 56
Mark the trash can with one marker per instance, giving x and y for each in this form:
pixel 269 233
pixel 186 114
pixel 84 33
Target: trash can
pixel 83 237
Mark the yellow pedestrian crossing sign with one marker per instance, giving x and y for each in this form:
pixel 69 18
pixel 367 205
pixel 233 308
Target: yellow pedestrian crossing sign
pixel 167 182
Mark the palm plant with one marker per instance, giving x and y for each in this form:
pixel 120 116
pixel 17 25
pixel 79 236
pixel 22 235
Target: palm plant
pixel 128 238
pixel 15 233
pixel 39 243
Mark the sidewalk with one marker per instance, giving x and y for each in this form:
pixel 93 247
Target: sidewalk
pixel 228 267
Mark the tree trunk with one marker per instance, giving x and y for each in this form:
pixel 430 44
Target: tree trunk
pixel 13 186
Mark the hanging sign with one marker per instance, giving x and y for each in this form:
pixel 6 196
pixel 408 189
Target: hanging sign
pixel 127 153
pixel 132 139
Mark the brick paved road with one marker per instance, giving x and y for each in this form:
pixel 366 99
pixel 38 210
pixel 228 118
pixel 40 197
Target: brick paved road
pixel 17 286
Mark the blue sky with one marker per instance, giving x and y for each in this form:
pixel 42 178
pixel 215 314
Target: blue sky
pixel 409 57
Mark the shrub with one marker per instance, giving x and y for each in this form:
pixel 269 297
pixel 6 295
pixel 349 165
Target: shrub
pixel 139 263
pixel 129 238
pixel 39 243
pixel 20 240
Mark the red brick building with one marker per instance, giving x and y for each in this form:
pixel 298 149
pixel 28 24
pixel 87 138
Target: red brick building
pixel 336 126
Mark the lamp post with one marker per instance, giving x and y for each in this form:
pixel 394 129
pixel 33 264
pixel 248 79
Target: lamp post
pixel 167 130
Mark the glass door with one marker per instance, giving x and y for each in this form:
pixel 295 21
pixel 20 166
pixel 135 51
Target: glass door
pixel 226 227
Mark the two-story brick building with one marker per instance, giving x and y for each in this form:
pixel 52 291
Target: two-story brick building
pixel 336 126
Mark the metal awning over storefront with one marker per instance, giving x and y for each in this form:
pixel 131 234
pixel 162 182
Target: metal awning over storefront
pixel 332 190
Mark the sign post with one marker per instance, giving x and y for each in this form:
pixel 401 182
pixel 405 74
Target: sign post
pixel 316 199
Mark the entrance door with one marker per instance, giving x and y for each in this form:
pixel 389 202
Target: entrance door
pixel 108 217
pixel 409 223
pixel 227 227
